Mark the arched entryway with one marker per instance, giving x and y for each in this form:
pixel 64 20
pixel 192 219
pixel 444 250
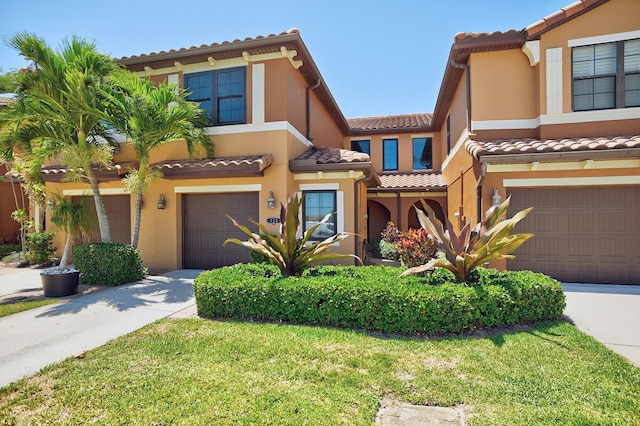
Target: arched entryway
pixel 433 210
pixel 378 216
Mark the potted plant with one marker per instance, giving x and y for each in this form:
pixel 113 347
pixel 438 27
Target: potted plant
pixel 75 220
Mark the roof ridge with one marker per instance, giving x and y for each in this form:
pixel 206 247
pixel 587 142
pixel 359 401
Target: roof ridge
pixel 292 30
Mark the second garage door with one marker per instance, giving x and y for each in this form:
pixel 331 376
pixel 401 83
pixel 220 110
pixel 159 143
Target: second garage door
pixel 587 235
pixel 206 227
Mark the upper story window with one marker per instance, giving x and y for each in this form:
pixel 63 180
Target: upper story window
pixel 606 75
pixel 222 93
pixel 361 146
pixel 317 205
pixel 422 154
pixel 389 154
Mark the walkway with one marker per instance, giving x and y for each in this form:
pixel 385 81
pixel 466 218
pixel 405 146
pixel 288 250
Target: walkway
pixel 38 337
pixel 608 313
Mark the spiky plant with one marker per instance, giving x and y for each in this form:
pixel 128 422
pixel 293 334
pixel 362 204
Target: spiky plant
pixel 490 239
pixel 74 219
pixel 292 254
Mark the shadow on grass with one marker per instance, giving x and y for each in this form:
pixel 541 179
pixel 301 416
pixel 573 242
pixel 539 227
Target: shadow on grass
pixel 173 288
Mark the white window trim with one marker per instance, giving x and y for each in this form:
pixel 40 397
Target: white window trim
pixel 257 93
pixel 607 38
pixel 339 203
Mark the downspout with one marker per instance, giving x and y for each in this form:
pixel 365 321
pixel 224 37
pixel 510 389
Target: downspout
pixel 464 66
pixel 356 215
pixel 309 89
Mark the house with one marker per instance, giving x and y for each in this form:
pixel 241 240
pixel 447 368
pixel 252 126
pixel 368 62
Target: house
pixel 549 115
pixel 277 132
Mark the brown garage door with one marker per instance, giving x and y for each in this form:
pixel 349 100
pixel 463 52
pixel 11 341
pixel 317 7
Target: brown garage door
pixel 205 228
pixel 581 234
pixel 118 209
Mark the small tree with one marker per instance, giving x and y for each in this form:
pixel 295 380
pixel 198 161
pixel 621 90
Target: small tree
pixel 291 254
pixel 490 239
pixel 74 219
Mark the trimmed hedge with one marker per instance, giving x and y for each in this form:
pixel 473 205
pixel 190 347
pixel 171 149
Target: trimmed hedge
pixel 6 249
pixel 374 298
pixel 109 264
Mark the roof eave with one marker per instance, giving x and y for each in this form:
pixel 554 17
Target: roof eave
pixel 601 154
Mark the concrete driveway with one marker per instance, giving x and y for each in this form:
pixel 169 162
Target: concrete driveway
pixel 608 313
pixel 33 339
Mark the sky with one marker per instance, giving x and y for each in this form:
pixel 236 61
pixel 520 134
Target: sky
pixel 377 57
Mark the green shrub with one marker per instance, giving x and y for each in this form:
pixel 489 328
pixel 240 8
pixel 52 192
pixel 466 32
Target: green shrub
pixel 373 298
pixel 388 250
pixel 40 248
pixel 6 249
pixel 374 248
pixel 415 247
pixel 109 264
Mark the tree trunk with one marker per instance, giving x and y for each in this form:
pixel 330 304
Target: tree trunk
pixel 136 221
pixel 64 262
pixel 103 221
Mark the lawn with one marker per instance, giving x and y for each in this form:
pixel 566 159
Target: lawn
pixel 12 308
pixel 197 371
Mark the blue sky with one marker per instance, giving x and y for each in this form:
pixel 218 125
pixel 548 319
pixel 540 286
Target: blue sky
pixel 377 57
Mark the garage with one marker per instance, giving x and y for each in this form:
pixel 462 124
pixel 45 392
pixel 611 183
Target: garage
pixel 118 209
pixel 589 235
pixel 206 227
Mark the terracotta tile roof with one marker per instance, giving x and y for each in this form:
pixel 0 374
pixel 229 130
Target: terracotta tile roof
pixel 284 43
pixel 103 173
pixel 535 146
pixel 151 56
pixel 248 165
pixel 561 16
pixel 413 180
pixel 329 155
pixel 504 36
pixel 390 122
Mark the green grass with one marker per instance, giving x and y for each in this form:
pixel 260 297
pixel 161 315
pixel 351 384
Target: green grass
pixel 200 372
pixel 12 308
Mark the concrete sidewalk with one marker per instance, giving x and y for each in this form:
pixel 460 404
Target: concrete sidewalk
pixel 609 314
pixel 33 339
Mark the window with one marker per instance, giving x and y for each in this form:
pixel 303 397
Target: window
pixel 422 154
pixel 361 146
pixel 389 154
pixel 221 93
pixel 318 204
pixel 606 75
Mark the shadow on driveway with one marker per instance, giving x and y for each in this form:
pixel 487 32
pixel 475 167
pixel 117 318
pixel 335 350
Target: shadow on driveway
pixel 153 292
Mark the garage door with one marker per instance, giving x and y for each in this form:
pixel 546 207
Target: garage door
pixel 587 235
pixel 206 227
pixel 118 209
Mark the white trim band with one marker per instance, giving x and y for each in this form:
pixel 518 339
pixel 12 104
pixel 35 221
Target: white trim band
pixel 608 38
pixel 577 181
pixel 217 189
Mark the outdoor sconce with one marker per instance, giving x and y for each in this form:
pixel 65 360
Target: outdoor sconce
pixel 495 198
pixel 162 203
pixel 50 204
pixel 271 201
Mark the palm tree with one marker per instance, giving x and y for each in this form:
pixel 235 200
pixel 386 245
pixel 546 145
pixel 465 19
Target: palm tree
pixel 151 116
pixel 74 219
pixel 60 109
